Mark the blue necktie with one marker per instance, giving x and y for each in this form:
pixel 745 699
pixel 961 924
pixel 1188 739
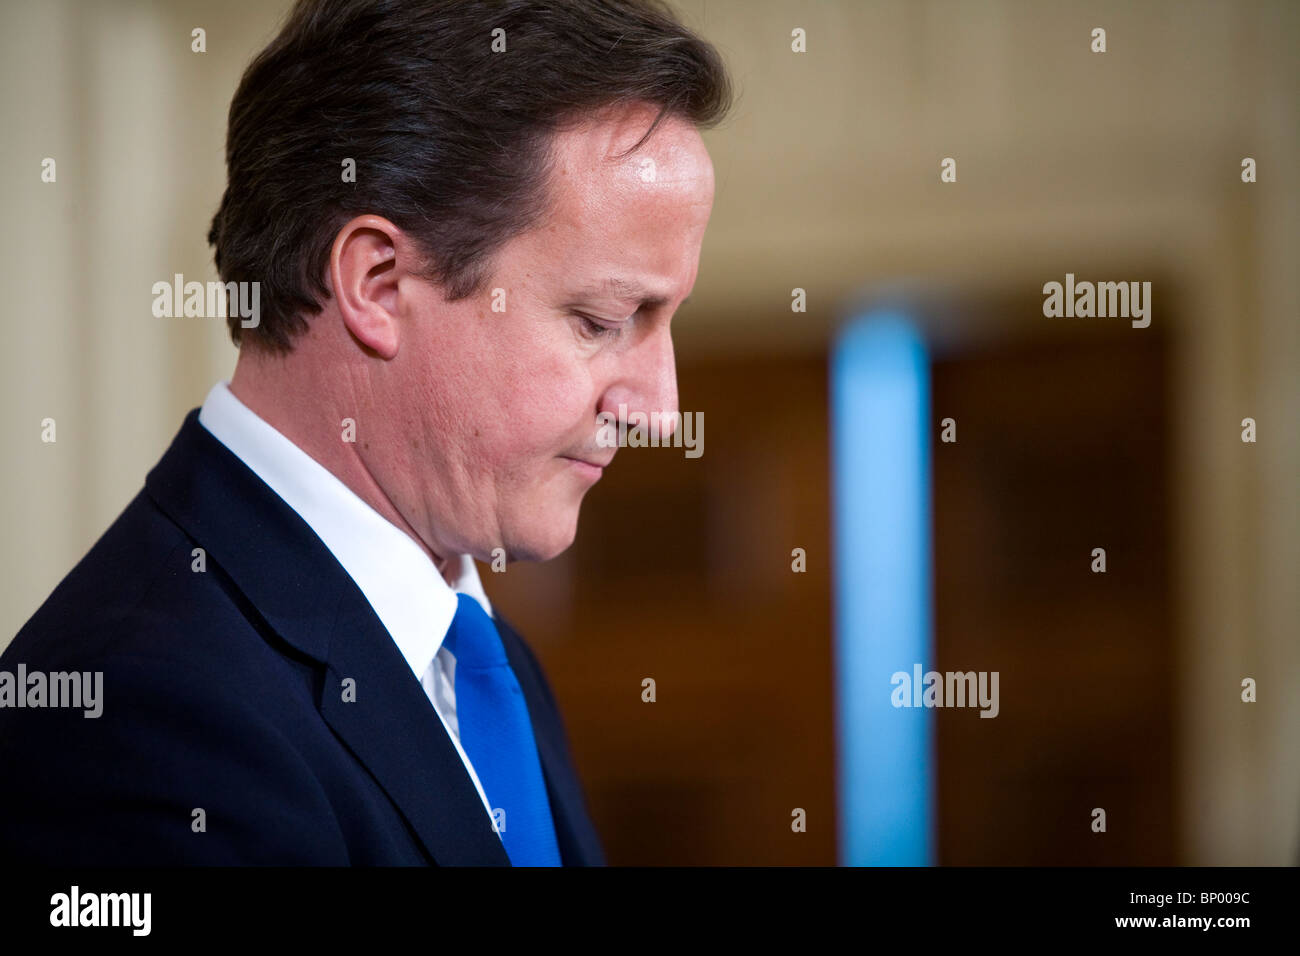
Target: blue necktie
pixel 497 734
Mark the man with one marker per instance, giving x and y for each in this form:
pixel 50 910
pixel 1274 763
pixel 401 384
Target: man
pixel 471 224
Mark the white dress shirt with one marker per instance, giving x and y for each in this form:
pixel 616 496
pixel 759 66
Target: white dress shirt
pixel 408 593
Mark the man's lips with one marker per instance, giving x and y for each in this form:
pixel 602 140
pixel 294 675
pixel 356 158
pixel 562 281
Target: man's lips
pixel 593 468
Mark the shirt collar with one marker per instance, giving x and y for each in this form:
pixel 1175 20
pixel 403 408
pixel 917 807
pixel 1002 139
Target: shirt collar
pixel 408 594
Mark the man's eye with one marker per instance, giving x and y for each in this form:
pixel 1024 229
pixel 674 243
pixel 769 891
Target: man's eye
pixel 593 329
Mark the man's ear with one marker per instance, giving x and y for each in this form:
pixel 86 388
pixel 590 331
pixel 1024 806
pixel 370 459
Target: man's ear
pixel 366 264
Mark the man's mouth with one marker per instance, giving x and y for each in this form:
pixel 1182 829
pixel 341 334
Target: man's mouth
pixel 589 468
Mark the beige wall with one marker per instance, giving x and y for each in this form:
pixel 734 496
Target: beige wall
pixel 1118 165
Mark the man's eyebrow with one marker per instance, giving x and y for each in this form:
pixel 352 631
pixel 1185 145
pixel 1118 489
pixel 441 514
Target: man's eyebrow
pixel 627 290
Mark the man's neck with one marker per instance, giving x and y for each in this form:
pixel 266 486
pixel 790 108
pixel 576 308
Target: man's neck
pixel 274 389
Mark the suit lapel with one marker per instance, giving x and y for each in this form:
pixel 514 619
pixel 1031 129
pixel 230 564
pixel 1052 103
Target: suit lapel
pixel 387 720
pixel 301 592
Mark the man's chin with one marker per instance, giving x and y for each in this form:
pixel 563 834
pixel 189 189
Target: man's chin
pixel 543 544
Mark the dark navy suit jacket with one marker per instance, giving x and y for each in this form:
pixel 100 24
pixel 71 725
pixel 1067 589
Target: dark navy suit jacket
pixel 223 692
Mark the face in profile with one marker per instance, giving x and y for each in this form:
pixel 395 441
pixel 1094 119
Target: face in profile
pixel 502 407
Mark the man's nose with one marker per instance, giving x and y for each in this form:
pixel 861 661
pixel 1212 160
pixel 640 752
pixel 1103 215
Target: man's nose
pixel 647 384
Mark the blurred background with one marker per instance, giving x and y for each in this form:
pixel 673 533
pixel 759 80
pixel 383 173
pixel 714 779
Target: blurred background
pixel 1119 691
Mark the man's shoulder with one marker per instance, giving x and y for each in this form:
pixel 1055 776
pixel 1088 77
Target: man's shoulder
pixel 144 589
pixel 148 690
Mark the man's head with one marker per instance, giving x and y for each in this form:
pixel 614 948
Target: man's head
pixel 522 226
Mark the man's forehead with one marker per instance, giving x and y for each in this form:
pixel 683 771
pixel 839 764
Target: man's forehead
pixel 661 190
pixel 628 229
pixel 673 153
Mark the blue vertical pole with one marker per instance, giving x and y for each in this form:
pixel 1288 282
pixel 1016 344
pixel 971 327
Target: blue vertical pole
pixel 880 459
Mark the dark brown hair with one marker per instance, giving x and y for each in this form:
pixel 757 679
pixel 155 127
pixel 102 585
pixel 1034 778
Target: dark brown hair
pixel 450 139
